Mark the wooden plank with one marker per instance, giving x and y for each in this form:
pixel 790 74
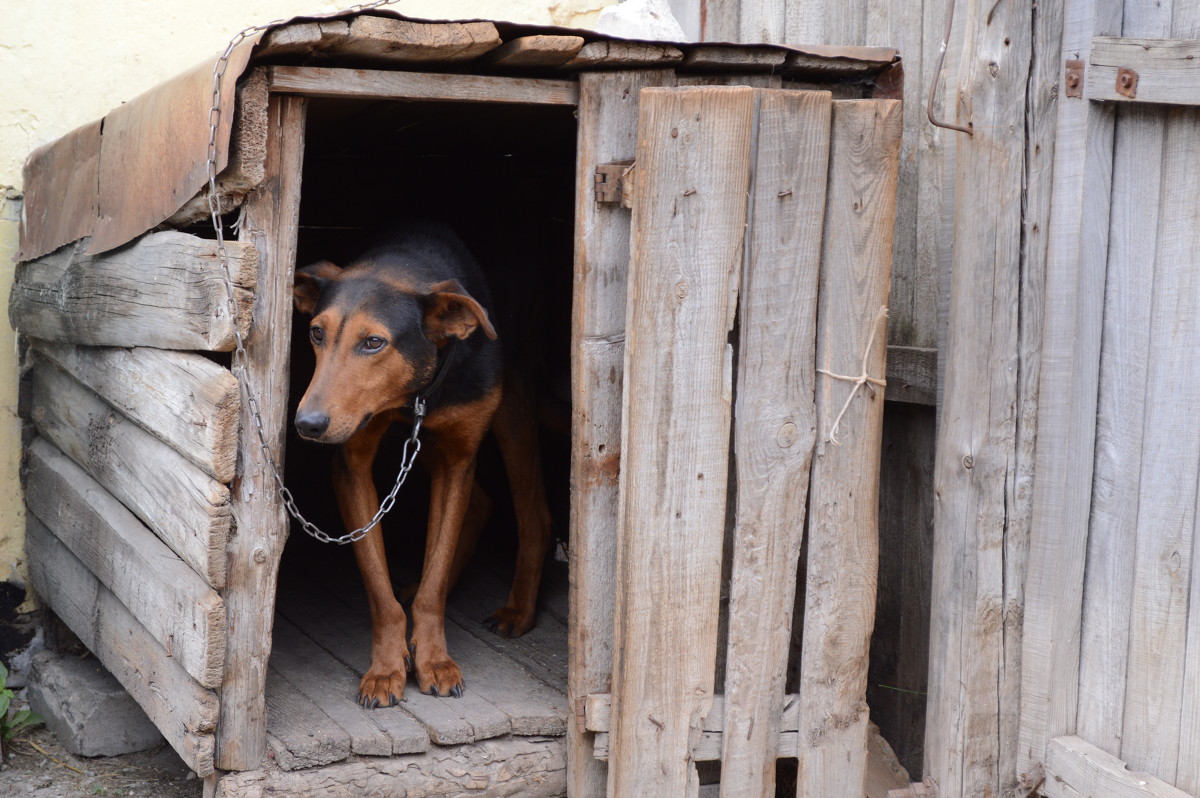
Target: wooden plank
pixel 166 596
pixel 270 221
pixel 187 509
pixel 707 747
pixel 1121 406
pixel 329 685
pixel 528 767
pixel 300 734
pixel 608 112
pixel 625 55
pixel 774 423
pixel 712 58
pixel 162 291
pixel 1170 469
pixel 843 537
pixel 185 400
pixel 182 710
pixel 1168 70
pixel 533 52
pixel 694 149
pixel 911 374
pixel 386 39
pixel 1076 767
pixel 367 84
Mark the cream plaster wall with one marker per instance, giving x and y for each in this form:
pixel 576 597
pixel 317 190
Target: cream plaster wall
pixel 64 63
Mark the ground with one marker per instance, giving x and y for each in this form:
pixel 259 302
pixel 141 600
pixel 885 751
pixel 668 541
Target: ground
pixel 36 766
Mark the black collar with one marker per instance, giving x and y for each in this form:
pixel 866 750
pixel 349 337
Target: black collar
pixel 445 361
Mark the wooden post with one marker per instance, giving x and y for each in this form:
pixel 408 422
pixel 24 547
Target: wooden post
pixel 689 215
pixel 1075 268
pixel 271 223
pixel 608 112
pixel 843 543
pixel 775 425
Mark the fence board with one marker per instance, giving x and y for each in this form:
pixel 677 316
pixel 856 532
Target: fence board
pixel 181 504
pixel 843 538
pixel 182 710
pixel 161 291
pixel 1170 469
pixel 184 399
pixel 1076 768
pixel 608 111
pixel 775 424
pixel 689 215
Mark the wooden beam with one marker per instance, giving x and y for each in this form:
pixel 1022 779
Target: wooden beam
pixel 185 507
pixel 774 423
pixel 843 515
pixel 625 55
pixel 182 710
pixel 164 290
pixel 370 84
pixel 383 39
pixel 694 149
pixel 186 400
pixel 608 113
pixel 271 222
pixel 1167 70
pixel 534 52
pixel 167 597
pixel 1075 768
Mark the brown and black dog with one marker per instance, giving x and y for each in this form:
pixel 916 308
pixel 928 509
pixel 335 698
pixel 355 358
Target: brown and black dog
pixel 382 328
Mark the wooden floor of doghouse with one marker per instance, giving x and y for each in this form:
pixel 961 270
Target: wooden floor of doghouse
pixel 515 688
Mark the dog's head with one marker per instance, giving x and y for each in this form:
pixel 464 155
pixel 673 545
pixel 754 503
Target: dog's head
pixel 376 339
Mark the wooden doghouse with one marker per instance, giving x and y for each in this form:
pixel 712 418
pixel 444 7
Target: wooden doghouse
pixel 762 186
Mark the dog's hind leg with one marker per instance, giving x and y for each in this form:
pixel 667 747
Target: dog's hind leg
pixel 383 683
pixel 516 433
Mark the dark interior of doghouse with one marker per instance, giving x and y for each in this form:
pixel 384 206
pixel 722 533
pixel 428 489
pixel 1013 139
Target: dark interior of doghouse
pixel 503 178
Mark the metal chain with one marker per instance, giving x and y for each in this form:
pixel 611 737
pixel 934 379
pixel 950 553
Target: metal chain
pixel 412 446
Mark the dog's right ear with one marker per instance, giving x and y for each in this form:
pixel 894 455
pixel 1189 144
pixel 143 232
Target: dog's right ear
pixel 310 282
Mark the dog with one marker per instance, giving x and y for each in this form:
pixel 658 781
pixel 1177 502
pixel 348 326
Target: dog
pixel 411 318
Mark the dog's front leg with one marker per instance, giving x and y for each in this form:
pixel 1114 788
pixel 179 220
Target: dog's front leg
pixel 383 683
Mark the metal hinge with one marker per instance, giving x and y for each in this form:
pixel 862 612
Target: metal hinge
pixel 614 183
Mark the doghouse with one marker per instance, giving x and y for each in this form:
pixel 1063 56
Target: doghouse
pixel 728 213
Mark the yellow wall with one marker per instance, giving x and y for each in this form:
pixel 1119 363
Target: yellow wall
pixel 64 63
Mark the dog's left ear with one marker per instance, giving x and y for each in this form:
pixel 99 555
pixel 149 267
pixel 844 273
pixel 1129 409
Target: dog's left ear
pixel 310 282
pixel 450 312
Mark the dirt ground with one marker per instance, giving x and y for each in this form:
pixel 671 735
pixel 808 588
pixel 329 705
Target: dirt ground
pixel 37 766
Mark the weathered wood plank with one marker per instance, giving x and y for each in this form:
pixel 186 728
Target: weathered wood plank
pixel 528 767
pixel 709 58
pixel 185 400
pixel 774 423
pixel 843 536
pixel 689 213
pixel 184 711
pixel 1075 767
pixel 1168 70
pixel 532 52
pixel 166 596
pixel 1121 406
pixel 1170 469
pixel 608 112
pixel 383 39
pixel 164 290
pixel 625 55
pixel 271 220
pixel 911 374
pixel 187 509
pixel 367 84
pixel 300 734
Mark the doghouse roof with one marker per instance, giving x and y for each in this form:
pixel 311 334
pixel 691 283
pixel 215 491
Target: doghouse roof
pixel 115 178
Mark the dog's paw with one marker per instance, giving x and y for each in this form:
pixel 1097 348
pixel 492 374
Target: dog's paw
pixel 381 689
pixel 440 678
pixel 510 622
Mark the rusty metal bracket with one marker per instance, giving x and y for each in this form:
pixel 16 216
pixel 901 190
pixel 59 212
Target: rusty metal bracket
pixel 614 183
pixel 1074 77
pixel 1127 80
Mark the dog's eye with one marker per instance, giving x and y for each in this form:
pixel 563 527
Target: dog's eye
pixel 373 343
pixel 317 334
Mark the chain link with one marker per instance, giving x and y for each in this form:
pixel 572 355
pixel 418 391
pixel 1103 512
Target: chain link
pixel 412 446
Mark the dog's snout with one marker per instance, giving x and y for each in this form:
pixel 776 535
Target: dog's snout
pixel 311 424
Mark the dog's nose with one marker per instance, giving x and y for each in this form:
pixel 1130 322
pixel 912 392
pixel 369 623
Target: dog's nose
pixel 311 424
